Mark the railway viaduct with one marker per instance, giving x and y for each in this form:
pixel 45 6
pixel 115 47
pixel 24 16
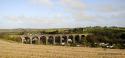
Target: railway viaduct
pixel 60 39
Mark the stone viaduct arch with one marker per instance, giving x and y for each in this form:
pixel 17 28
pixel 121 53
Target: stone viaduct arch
pixel 53 39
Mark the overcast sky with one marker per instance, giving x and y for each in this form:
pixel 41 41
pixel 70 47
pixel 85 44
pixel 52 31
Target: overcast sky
pixel 61 13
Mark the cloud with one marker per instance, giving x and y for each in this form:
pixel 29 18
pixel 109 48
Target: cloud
pixel 73 4
pixel 79 16
pixel 69 13
pixel 46 3
pixel 118 15
pixel 34 20
pixel 37 22
pixel 78 9
pixel 110 8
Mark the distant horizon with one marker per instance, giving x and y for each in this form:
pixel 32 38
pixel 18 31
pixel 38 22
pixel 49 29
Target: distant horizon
pixel 62 28
pixel 46 14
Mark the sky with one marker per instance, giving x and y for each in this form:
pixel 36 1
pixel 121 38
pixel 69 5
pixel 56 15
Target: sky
pixel 61 13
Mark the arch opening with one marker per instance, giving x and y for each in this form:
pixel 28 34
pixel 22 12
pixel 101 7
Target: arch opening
pixel 77 39
pixel 50 40
pixel 42 40
pixel 64 39
pixel 70 39
pixel 57 40
pixel 27 40
pixel 35 40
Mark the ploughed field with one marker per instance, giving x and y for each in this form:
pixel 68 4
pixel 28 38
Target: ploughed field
pixel 19 50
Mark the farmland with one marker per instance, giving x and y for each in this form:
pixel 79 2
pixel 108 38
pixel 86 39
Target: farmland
pixel 10 49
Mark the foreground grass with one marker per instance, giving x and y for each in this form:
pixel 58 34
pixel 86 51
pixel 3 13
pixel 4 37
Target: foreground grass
pixel 18 50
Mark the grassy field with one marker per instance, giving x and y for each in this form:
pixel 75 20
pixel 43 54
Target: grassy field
pixel 18 50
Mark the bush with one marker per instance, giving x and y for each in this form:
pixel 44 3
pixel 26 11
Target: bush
pixel 15 38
